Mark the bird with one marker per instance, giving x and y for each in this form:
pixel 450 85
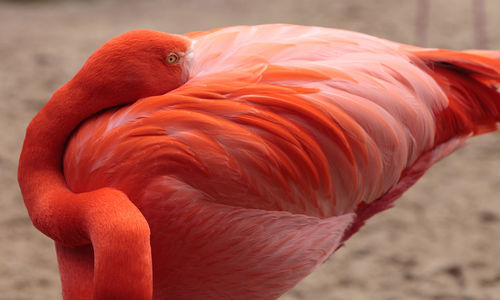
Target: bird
pixel 230 163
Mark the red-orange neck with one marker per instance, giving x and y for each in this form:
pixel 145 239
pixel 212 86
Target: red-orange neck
pixel 127 68
pixel 40 164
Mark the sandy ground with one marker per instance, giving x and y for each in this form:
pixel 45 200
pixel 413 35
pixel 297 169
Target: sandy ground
pixel 442 239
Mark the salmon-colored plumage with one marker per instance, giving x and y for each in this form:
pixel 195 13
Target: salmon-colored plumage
pixel 270 146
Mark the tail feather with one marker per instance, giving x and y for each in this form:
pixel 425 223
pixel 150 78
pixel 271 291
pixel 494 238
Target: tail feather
pixel 470 79
pixel 485 53
pixel 482 62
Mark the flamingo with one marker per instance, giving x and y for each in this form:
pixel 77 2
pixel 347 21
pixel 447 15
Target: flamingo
pixel 230 163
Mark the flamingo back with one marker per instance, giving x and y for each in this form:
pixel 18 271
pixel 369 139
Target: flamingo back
pixel 255 168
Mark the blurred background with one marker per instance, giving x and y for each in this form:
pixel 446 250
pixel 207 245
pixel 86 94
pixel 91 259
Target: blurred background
pixel 442 239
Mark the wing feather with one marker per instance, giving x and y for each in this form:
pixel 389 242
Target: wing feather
pixel 310 120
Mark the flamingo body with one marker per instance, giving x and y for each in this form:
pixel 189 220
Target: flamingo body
pixel 281 143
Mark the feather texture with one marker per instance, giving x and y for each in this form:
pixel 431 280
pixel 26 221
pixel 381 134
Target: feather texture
pixel 283 141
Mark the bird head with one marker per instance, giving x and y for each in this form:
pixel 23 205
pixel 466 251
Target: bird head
pixel 134 65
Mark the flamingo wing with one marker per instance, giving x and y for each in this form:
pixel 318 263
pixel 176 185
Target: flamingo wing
pixel 258 167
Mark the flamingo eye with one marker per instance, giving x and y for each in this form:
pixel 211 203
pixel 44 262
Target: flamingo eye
pixel 172 58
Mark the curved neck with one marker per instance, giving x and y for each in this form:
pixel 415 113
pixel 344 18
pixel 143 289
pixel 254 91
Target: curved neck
pixel 106 217
pixel 40 163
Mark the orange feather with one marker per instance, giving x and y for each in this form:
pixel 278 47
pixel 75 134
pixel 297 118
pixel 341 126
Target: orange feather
pixel 266 149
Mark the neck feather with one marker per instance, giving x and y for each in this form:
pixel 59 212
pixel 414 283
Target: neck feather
pixel 40 164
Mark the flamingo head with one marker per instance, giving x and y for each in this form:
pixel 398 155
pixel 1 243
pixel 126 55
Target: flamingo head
pixel 134 65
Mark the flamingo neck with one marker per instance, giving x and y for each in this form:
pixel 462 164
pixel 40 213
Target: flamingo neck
pixel 118 231
pixel 40 163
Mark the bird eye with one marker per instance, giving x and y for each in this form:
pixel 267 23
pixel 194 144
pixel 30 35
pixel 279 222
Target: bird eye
pixel 172 58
